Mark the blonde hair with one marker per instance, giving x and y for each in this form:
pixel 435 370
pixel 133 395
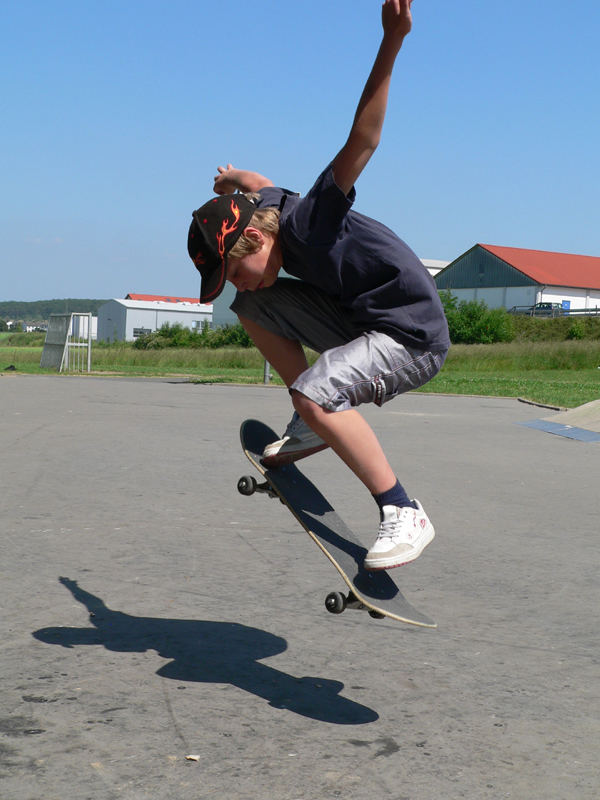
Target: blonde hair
pixel 266 220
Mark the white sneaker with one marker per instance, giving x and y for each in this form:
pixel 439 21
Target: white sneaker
pixel 403 535
pixel 297 442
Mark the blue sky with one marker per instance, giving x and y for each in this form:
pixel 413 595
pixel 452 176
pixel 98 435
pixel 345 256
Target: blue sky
pixel 117 113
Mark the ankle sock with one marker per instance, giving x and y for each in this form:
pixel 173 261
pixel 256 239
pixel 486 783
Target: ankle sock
pixel 396 496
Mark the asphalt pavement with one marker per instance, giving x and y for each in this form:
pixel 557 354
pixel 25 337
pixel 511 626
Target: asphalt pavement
pixel 165 637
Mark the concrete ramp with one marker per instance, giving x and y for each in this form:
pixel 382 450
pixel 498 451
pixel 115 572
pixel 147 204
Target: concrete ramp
pixel 586 416
pixel 581 423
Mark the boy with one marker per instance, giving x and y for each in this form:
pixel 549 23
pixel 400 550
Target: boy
pixel 364 301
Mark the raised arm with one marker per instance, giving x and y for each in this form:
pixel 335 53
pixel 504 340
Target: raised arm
pixel 366 129
pixel 230 180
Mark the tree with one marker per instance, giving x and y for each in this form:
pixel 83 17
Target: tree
pixel 472 322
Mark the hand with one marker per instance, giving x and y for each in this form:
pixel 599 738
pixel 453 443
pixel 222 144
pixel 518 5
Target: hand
pixel 230 180
pixel 396 18
pixel 226 181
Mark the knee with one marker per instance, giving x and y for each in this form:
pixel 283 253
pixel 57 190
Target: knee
pixel 307 408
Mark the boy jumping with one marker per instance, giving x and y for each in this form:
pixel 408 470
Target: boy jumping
pixel 364 301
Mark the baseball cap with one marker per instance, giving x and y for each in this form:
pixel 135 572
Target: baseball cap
pixel 216 227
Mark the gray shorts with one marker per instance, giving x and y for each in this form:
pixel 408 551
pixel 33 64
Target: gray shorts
pixel 354 366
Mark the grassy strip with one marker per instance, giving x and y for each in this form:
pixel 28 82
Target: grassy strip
pixel 24 359
pixel 524 356
pixel 556 373
pixel 564 389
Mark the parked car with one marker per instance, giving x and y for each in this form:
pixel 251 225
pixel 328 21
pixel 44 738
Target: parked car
pixel 540 310
pixel 548 310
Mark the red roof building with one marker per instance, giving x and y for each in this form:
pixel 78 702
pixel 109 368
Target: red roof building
pixel 556 269
pixel 515 277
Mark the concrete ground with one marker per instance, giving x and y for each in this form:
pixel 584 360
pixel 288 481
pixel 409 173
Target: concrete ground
pixel 151 613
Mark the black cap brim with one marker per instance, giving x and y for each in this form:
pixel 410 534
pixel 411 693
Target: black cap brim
pixel 212 286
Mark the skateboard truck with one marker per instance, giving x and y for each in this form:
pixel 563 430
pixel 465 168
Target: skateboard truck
pixel 248 484
pixel 336 603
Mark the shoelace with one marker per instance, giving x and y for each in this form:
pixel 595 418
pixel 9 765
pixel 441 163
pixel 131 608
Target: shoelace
pixel 388 528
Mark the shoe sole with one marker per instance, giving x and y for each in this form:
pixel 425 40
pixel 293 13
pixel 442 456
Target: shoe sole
pixel 281 459
pixel 383 563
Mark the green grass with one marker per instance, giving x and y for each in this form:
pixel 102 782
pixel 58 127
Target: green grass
pixel 554 373
pixel 522 356
pixel 562 374
pixel 25 359
pixel 564 389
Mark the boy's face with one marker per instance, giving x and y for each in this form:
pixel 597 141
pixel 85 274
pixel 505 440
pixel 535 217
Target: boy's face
pixel 257 270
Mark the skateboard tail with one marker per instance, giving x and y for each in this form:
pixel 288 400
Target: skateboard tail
pixel 422 623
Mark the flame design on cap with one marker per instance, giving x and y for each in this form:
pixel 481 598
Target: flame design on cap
pixel 227 228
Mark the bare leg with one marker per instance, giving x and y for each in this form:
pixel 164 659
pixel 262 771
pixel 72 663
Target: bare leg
pixel 347 432
pixel 286 356
pixel 352 438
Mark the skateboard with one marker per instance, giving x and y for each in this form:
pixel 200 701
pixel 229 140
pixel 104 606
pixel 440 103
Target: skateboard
pixel 373 591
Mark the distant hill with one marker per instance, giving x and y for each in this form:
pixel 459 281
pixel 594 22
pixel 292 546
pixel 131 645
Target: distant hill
pixel 40 310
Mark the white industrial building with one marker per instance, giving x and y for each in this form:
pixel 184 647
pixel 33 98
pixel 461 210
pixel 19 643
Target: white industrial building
pixel 84 326
pixel 127 319
pixel 434 265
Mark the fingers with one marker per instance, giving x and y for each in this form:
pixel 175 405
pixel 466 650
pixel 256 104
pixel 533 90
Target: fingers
pixel 398 7
pixel 221 184
pixel 396 17
pixel 394 5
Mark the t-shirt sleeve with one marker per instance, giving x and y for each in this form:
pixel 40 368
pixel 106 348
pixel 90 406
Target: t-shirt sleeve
pixel 274 196
pixel 317 218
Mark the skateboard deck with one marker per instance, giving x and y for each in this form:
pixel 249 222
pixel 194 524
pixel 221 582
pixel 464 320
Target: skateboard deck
pixel 374 591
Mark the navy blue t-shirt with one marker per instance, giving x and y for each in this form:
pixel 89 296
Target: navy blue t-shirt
pixel 374 275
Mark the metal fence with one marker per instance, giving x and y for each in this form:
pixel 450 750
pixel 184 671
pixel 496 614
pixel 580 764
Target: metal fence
pixel 68 345
pixel 530 311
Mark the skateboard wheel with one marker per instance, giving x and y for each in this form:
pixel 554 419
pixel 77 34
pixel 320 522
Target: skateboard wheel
pixel 335 602
pixel 246 485
pixel 376 614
